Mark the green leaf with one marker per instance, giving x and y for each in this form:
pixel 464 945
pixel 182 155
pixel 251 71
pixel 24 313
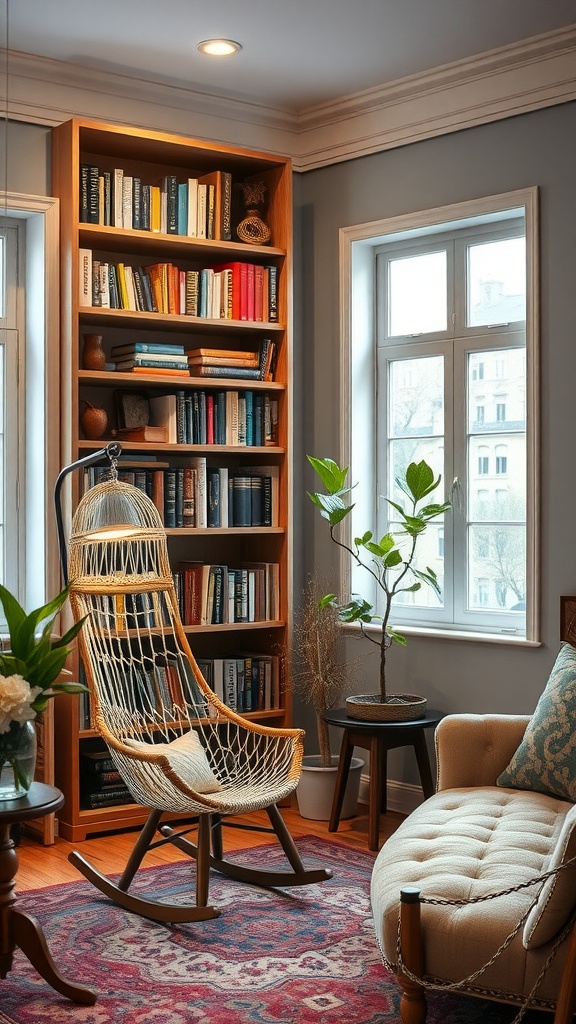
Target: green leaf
pixel 331 507
pixel 431 511
pixel 69 688
pixel 330 473
pixel 13 611
pixel 413 525
pixel 381 547
pixel 356 610
pixel 420 479
pixel 328 601
pixel 392 559
pixel 428 577
pixel 397 638
pixel 362 541
pixel 396 505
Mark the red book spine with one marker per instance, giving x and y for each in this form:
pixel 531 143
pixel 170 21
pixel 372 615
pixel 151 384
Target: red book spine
pixel 250 284
pixel 243 292
pixel 259 293
pixel 209 419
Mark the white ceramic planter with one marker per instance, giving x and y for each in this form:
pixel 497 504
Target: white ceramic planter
pixel 316 788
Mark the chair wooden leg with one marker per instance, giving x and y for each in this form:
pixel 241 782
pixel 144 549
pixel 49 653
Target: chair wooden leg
pixel 140 849
pixel 413 1007
pixel 154 910
pixel 203 861
pixel 566 1003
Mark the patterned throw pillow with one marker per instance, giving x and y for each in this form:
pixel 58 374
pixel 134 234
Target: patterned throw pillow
pixel 546 759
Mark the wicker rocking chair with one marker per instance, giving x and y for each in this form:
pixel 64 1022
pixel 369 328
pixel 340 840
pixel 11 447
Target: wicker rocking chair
pixel 178 748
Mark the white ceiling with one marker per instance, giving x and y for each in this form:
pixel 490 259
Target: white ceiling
pixel 295 54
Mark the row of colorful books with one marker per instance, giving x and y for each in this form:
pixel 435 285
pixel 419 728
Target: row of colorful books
pixel 198 416
pixel 230 291
pixel 201 496
pixel 244 682
pixel 235 418
pixel 217 594
pixel 199 207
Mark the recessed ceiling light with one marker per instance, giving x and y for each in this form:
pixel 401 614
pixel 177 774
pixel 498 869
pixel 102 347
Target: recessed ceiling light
pixel 219 47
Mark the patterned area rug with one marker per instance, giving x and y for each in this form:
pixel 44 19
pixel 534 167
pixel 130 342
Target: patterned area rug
pixel 292 956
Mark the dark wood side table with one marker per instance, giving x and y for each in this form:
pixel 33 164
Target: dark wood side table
pixel 378 738
pixel 18 929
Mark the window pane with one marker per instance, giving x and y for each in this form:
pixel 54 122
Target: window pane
pixel 497 391
pixel 2 276
pixel 497 559
pixel 416 397
pixel 416 432
pixel 497 482
pixel 496 282
pixel 2 459
pixel 418 294
pixel 429 554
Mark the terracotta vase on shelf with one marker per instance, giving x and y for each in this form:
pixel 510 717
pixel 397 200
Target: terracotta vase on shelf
pixel 93 355
pixel 94 421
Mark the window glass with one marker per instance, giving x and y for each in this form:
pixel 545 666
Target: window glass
pixel 496 282
pixel 417 294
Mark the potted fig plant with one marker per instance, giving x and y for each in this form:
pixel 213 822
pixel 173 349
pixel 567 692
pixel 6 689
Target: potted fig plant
pixel 319 678
pixel 392 569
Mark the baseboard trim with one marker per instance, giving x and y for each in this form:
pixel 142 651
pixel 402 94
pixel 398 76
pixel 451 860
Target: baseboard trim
pixel 400 796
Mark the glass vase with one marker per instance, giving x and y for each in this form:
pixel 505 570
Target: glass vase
pixel 17 760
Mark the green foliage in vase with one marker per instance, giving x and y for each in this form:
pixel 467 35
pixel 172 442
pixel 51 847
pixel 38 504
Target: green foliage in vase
pixel 392 569
pixel 34 653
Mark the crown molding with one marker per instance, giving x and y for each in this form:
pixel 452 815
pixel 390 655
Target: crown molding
pixel 502 83
pixel 511 80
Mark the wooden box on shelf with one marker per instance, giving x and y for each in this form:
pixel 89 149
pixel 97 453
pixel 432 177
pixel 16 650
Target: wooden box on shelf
pixel 200 323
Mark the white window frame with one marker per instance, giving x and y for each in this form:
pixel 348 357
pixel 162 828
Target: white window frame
pixel 34 575
pixel 358 361
pixel 11 338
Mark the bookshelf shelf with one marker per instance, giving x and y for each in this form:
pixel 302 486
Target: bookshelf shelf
pixel 152 157
pixel 107 379
pixel 176 321
pixel 148 243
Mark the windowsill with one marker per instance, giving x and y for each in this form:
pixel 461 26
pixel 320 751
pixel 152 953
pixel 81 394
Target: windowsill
pixel 452 634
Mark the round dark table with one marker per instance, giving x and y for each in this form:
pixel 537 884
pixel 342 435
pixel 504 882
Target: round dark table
pixel 378 738
pixel 18 929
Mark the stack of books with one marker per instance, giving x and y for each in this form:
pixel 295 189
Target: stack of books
pixel 101 782
pixel 150 357
pixel 246 365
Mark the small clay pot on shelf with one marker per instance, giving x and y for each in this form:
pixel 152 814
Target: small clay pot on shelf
pixel 93 355
pixel 94 421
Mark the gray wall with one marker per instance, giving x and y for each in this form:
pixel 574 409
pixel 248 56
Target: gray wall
pixel 534 149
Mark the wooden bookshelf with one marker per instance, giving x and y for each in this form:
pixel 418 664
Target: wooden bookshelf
pixel 151 156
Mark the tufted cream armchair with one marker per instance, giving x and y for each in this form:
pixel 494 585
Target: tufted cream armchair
pixel 470 839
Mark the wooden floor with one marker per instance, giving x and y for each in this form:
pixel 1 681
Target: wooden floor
pixel 40 866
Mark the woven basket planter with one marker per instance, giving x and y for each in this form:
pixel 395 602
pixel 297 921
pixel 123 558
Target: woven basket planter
pixel 399 707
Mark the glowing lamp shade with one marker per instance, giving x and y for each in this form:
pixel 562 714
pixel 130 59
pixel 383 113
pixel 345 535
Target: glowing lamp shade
pixel 118 536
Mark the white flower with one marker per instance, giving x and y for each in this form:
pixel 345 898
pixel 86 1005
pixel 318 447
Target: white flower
pixel 16 696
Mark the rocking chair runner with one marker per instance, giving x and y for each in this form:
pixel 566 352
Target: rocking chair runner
pixel 178 748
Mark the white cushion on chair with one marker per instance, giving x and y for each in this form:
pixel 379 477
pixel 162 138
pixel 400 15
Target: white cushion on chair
pixel 187 758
